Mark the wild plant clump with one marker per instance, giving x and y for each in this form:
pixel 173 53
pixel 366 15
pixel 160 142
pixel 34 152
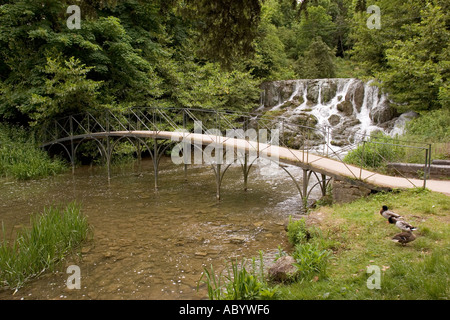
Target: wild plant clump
pixel 51 236
pixel 21 159
pixel 241 282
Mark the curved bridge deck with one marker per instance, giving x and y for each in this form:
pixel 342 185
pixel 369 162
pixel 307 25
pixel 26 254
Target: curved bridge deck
pixel 306 160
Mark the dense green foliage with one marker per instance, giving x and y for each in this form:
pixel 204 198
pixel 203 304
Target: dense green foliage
pixel 433 126
pixel 52 235
pixel 212 54
pixel 409 54
pixel 128 53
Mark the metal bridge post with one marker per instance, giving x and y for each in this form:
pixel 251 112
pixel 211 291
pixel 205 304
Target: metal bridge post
pixel 155 161
pixel 324 185
pixel 305 188
pixel 218 180
pixel 362 159
pixel 425 169
pixel 72 151
pixel 185 146
pixel 246 170
pixel 429 160
pixel 108 146
pixel 245 167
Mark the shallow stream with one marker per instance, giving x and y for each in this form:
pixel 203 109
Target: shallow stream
pixel 154 245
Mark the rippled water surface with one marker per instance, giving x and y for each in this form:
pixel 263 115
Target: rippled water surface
pixel 154 245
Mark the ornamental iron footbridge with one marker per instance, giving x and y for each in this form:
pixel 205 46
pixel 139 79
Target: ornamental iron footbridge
pixel 221 139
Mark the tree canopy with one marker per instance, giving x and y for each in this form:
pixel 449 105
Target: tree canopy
pixel 212 54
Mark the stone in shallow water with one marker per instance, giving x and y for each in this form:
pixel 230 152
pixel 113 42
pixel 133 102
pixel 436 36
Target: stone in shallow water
pixel 201 253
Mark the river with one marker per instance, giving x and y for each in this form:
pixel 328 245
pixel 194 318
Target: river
pixel 151 244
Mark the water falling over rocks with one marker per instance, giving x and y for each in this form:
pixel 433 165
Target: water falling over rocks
pixel 347 108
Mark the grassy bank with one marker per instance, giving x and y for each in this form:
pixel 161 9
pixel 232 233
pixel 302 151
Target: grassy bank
pixel 51 235
pixel 358 237
pixel 334 245
pixel 20 157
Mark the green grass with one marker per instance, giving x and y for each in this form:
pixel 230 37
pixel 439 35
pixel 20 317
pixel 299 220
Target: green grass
pixel 431 127
pixel 51 235
pixel 358 237
pixel 378 151
pixel 21 159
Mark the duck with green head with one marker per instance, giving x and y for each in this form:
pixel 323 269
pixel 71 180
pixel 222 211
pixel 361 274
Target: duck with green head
pixel 386 213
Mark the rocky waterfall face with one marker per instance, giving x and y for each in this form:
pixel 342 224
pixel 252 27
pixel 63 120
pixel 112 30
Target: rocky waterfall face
pixel 348 109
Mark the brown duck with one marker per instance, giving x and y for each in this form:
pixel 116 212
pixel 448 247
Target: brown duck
pixel 404 237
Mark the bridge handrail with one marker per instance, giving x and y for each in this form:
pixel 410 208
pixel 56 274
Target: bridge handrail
pixel 141 116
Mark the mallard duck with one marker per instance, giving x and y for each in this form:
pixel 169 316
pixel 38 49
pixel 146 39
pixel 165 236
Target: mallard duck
pixel 401 224
pixel 386 213
pixel 404 237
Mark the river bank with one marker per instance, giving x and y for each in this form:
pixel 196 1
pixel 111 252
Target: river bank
pixel 359 237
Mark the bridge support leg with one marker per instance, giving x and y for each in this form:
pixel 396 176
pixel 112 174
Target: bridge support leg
pixel 108 157
pixel 72 156
pixel 155 162
pixel 138 151
pixel 305 194
pixel 218 180
pixel 72 150
pixel 158 151
pixel 219 173
pixel 246 170
pixel 323 185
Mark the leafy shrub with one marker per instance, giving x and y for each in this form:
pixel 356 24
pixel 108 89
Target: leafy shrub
pixel 309 251
pixel 310 259
pixel 298 232
pixel 432 126
pixel 375 153
pixel 21 159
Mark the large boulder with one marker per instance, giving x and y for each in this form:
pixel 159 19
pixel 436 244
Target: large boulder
pixel 334 120
pixel 305 119
pixel 384 112
pixel 286 90
pixel 312 94
pixel 276 92
pixel 328 91
pixel 296 101
pixel 344 192
pixel 270 94
pixel 345 107
pixel 355 94
pixel 283 269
